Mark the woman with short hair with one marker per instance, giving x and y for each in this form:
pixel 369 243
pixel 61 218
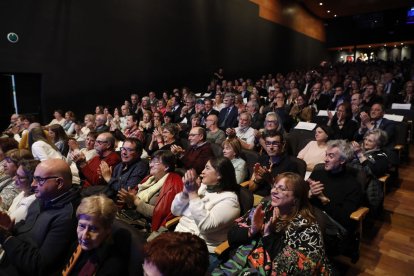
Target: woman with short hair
pixel 232 150
pixel 96 253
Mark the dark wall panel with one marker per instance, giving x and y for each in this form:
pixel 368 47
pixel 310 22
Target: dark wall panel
pixel 99 51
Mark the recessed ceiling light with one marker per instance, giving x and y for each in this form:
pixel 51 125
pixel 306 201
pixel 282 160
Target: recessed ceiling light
pixel 328 11
pixel 320 3
pixel 335 15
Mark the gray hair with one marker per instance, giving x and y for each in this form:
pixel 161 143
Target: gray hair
pixel 345 150
pixel 381 136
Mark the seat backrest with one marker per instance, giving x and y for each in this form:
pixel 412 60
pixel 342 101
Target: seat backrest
pixel 246 200
pixel 297 139
pixel 251 157
pixel 301 165
pixel 129 245
pixel 217 150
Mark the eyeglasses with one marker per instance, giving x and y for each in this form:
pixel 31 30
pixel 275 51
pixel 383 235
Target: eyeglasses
pixel 42 180
pixel 129 150
pixel 273 143
pixel 100 142
pixel 280 189
pixel 193 134
pixel 271 122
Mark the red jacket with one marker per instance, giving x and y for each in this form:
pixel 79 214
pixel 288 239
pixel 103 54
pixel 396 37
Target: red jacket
pixel 162 211
pixel 90 171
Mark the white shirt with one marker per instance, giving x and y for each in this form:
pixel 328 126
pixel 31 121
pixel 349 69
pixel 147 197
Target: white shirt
pixel 210 216
pixel 43 151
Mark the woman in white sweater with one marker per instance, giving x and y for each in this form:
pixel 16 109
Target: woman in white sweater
pixel 42 149
pixel 208 209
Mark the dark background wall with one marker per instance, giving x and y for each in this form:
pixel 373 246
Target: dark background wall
pixel 99 51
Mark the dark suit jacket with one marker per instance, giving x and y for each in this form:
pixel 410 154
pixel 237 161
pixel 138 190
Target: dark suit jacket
pixel 39 245
pixel 231 118
pixel 257 121
pixel 205 114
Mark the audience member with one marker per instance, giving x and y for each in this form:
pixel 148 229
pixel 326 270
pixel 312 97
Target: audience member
pixel 153 197
pixel 89 171
pixel 96 253
pixel 232 150
pixel 166 251
pixel 39 244
pixel 59 137
pixel 214 134
pixel 314 152
pixel 274 238
pixel 199 152
pixel 42 149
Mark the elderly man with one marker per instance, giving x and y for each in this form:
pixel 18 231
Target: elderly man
pixel 199 152
pixel 130 171
pixel 132 130
pixel 257 119
pixel 39 244
pixel 100 123
pixel 214 134
pixel 187 110
pixel 89 171
pixel 244 133
pixel 333 188
pixel 228 115
pixel 134 104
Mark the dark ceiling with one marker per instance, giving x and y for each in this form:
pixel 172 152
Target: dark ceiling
pixel 342 8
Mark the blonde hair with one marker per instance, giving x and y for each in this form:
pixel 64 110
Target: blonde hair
pixel 99 206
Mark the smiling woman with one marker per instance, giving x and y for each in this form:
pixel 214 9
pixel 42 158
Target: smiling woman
pixel 274 237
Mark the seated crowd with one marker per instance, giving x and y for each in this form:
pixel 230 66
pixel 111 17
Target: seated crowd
pixel 78 184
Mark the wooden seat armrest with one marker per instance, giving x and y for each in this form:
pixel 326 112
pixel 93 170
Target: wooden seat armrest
pixel 222 248
pixel 359 214
pixel 399 147
pixel 384 178
pixel 172 222
pixel 245 184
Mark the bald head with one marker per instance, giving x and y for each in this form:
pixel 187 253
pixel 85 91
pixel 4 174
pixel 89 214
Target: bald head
pixel 52 178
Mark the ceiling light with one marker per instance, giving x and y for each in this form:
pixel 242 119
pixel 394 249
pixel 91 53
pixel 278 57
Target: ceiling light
pixel 328 11
pixel 320 3
pixel 402 43
pixel 335 15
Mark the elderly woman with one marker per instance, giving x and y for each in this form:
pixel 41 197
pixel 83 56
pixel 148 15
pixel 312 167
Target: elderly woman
pixel 96 253
pixel 280 237
pixel 8 191
pixel 155 192
pixel 59 137
pixel 272 122
pixel 314 152
pixel 370 154
pixel 82 131
pixel 165 139
pixel 23 180
pixel 146 124
pixel 42 149
pixel 208 208
pixel 231 150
